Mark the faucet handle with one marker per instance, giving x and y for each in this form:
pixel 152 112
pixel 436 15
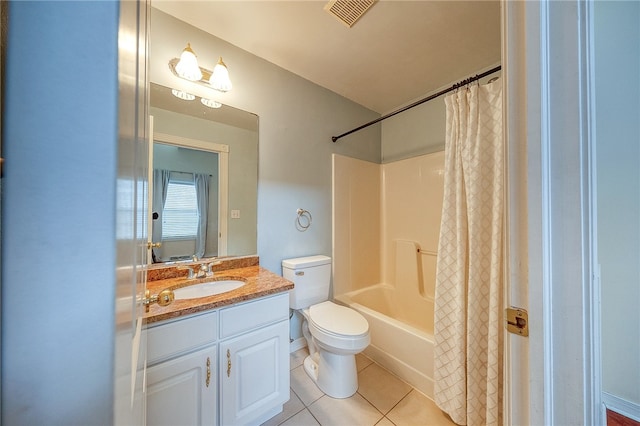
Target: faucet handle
pixel 211 264
pixel 190 274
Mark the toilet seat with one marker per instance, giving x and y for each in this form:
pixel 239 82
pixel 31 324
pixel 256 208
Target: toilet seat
pixel 338 321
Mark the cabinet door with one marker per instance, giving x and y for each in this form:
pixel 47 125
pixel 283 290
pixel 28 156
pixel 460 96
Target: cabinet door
pixel 254 370
pixel 182 391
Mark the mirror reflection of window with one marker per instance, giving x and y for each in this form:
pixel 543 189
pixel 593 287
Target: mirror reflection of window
pixel 180 213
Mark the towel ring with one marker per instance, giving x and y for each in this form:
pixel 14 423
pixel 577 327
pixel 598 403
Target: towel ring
pixel 304 219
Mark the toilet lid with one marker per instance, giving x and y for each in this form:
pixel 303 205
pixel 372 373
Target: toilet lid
pixel 338 319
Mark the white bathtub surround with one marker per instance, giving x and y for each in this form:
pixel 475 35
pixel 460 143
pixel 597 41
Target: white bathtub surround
pixel 469 282
pixel 382 215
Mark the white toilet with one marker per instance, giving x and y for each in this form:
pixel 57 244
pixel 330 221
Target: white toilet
pixel 334 333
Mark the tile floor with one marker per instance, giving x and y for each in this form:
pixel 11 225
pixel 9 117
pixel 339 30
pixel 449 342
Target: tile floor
pixel 382 399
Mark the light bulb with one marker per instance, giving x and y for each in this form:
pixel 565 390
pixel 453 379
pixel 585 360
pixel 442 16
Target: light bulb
pixel 187 67
pixel 219 79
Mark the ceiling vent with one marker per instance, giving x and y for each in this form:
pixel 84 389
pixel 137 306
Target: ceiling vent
pixel 348 11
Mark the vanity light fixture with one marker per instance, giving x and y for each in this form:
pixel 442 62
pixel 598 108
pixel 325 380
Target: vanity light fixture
pixel 187 67
pixel 219 80
pixel 210 103
pixel 182 95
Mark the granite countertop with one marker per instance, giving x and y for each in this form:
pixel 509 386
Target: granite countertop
pixel 259 282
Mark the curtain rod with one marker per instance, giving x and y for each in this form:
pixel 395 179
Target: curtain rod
pixel 421 101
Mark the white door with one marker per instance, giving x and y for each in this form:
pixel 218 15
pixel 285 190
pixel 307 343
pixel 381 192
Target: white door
pixel 131 217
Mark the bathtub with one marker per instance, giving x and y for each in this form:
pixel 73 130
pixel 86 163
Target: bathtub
pixel 401 337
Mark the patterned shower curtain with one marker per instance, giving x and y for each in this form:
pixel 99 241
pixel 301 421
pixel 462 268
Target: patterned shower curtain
pixel 469 283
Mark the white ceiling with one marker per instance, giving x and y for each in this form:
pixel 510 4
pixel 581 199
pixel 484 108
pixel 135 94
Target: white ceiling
pixel 398 52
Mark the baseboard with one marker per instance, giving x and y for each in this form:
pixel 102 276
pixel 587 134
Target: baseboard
pixel 621 406
pixel 297 344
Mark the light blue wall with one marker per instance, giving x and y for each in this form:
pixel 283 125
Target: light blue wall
pixel 58 222
pixel 297 120
pixel 420 130
pixel 617 87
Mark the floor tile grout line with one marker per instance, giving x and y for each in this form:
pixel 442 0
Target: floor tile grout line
pixel 398 403
pixel 314 417
pixel 299 411
pixel 316 385
pixel 384 415
pixel 387 418
pixel 366 367
pixel 371 403
pixel 411 388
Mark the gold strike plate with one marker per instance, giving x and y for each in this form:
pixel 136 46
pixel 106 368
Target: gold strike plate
pixel 517 321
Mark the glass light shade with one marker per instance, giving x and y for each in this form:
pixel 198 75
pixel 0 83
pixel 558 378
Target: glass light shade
pixel 210 103
pixel 188 67
pixel 219 79
pixel 182 95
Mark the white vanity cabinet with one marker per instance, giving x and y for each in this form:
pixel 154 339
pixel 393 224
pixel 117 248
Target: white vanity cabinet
pixel 254 360
pixel 228 366
pixel 178 393
pixel 182 358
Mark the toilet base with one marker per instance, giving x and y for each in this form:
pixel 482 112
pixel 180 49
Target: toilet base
pixel 335 375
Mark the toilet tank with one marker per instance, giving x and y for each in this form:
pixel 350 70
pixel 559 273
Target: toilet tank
pixel 311 277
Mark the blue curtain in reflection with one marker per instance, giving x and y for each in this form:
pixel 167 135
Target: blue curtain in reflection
pixel 202 193
pixel 160 185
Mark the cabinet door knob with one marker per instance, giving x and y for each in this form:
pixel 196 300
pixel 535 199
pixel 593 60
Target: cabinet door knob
pixel 208 371
pixel 228 363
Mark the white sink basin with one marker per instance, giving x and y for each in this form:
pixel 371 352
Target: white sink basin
pixel 207 289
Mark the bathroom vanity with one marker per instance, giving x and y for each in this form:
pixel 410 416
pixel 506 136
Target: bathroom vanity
pixel 220 359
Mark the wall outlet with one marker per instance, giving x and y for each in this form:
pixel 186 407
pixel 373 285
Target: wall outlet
pixel 235 214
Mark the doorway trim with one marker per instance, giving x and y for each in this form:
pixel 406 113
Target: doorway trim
pixel 549 94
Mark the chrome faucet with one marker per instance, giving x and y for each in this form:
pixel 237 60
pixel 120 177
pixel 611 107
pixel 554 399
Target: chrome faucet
pixel 206 268
pixel 190 274
pixel 201 270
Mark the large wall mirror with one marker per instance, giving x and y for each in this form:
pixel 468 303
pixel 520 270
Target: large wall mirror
pixel 195 143
pixel 204 180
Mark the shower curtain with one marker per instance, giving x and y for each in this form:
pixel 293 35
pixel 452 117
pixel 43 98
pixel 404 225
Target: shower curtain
pixel 468 305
